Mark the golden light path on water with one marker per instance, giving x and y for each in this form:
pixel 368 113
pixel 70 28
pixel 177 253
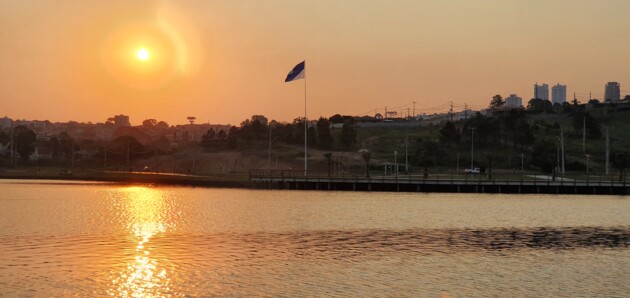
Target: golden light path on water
pixel 144 275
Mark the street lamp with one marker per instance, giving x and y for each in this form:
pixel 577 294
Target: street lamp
pixel 396 162
pixel 269 150
pixel 522 165
pixel 457 170
pixel 587 174
pixel 472 147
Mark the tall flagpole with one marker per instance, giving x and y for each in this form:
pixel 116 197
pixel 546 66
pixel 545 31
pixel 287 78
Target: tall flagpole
pixel 305 124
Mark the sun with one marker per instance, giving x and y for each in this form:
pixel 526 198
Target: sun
pixel 142 54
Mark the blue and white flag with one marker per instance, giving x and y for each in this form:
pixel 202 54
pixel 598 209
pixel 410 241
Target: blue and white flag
pixel 298 72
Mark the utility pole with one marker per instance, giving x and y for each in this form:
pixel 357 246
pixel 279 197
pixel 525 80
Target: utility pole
pixel 457 169
pixel 465 110
pixel 192 119
pixel 450 112
pixel 522 165
pixel 407 149
pixel 587 173
pixel 472 147
pixel 557 157
pixel 385 112
pixel 414 109
pixel 562 145
pixel 584 136
pixel 12 145
pixel 607 149
pixel 396 162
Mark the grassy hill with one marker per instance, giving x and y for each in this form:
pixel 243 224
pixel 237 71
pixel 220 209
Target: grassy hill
pixel 382 142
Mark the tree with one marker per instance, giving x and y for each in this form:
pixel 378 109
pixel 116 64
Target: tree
pixel 366 155
pixel 258 128
pixel 221 135
pixel 232 139
pixel 208 138
pixel 149 123
pixel 162 144
pixel 348 134
pixel 544 155
pixel 537 105
pixel 488 129
pixel 449 134
pixel 337 119
pixel 246 132
pixel 297 131
pixel 162 125
pixel 260 118
pixel 312 135
pixel 496 102
pixel 523 134
pixel 4 138
pixel 593 129
pixel 324 137
pixel 24 141
pixel 124 146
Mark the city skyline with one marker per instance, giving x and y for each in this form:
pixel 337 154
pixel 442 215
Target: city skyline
pixel 225 61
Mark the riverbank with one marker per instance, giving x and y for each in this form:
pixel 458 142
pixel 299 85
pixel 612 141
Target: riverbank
pixel 222 181
pixel 294 180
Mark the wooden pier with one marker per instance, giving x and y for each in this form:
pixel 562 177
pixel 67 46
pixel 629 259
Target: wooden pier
pixel 293 181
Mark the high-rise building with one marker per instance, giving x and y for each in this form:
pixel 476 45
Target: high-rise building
pixel 558 94
pixel 121 120
pixel 541 91
pixel 612 92
pixel 513 102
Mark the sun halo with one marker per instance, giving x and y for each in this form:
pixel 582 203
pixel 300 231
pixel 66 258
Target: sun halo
pixel 142 54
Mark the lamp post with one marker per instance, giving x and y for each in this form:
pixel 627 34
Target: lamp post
pixel 396 163
pixel 457 170
pixel 587 173
pixel 522 165
pixel 472 147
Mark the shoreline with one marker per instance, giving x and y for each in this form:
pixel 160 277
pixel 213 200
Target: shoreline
pixel 245 181
pixel 231 181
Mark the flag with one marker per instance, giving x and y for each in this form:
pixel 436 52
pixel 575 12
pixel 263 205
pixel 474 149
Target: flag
pixel 298 72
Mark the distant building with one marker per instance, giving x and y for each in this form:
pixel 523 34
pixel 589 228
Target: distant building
pixel 5 122
pixel 612 92
pixel 121 120
pixel 541 91
pixel 558 94
pixel 513 102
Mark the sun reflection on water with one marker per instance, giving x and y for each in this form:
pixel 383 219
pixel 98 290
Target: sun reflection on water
pixel 144 276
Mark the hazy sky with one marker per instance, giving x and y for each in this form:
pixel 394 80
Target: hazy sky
pixel 223 61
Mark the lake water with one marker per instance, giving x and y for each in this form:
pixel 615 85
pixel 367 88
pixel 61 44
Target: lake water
pixel 99 239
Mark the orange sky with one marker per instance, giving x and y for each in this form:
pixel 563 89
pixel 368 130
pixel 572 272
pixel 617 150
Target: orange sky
pixel 223 61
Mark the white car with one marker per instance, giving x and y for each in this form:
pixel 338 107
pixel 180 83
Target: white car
pixel 472 171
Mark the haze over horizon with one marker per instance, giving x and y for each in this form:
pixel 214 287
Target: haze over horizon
pixel 222 61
